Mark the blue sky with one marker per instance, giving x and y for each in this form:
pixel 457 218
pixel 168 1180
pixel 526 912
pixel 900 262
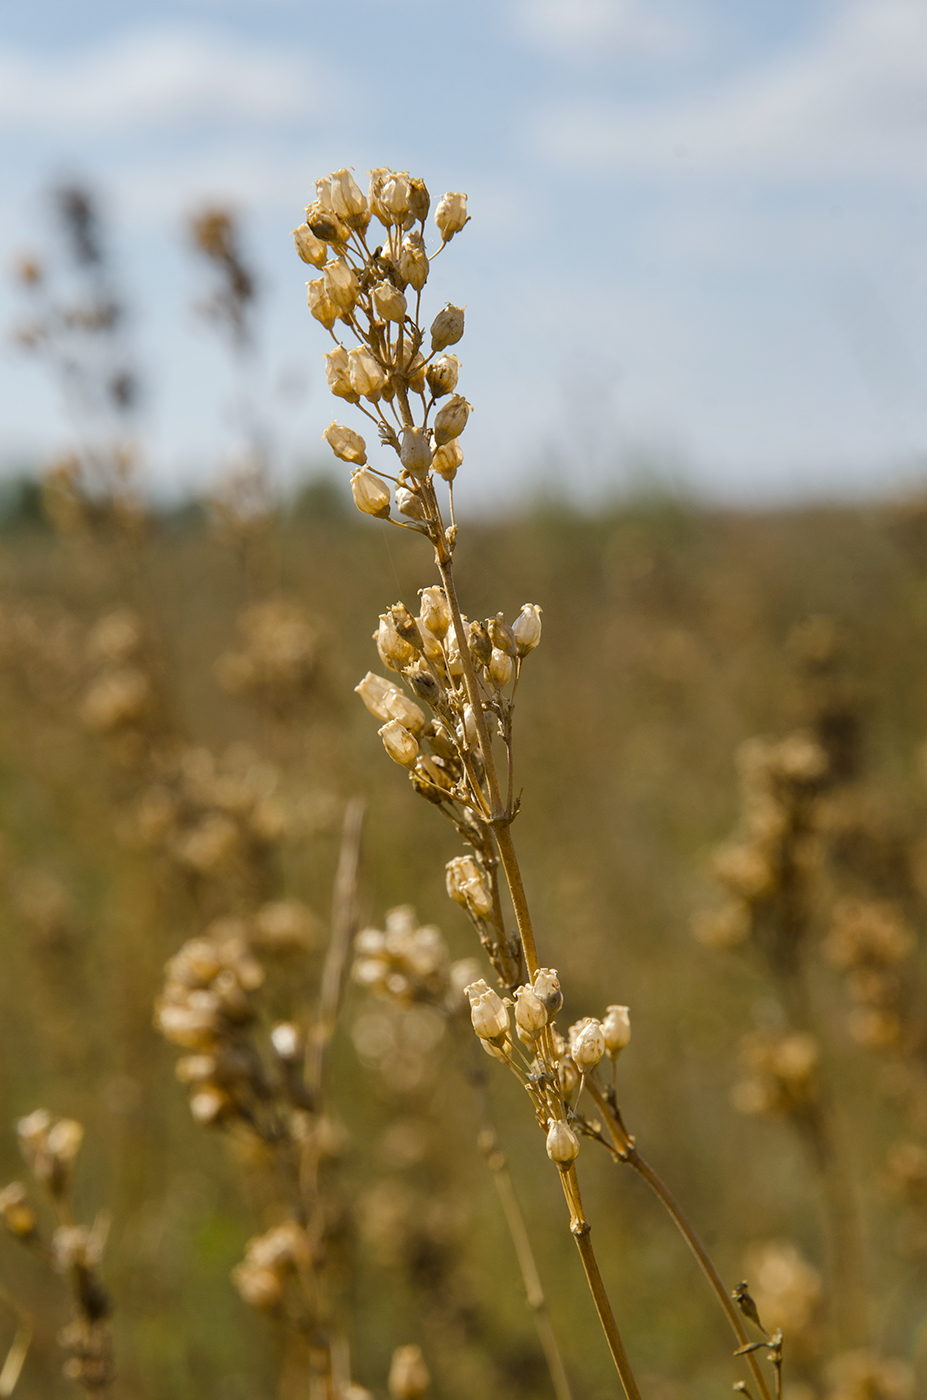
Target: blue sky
pixel 698 235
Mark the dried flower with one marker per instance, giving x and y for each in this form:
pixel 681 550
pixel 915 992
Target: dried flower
pixel 415 453
pixel 530 1013
pixel 587 1046
pixel 399 743
pixel 527 628
pixel 367 375
pixel 413 261
pixel 311 249
pixel 320 304
pixel 346 199
pixel 395 651
pixel 616 1028
pixel 501 667
pixel 447 460
pixel 388 302
pixel 341 285
pixel 547 990
pixel 442 375
pixel 338 375
pixel 410 503
pixel 487 1011
pixel 435 613
pixel 451 420
pixel 466 885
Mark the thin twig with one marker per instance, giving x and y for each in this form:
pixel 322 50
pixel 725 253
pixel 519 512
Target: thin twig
pixel 344 919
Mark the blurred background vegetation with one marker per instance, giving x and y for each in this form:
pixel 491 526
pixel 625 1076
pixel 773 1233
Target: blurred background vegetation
pixel 669 640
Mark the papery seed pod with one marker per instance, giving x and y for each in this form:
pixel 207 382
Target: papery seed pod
pixel 389 195
pixel 414 373
pixel 208 1104
pixel 469 727
pixel 325 224
pixel 400 707
pixel 423 682
pixel 63 1144
pixel 401 746
pixel 406 625
pixel 451 420
pixel 367 374
pixel 346 444
pixel 347 200
pixel 388 302
pixel 502 635
pixel 395 651
pixel 415 452
pixel 375 692
pixel 616 1028
pixel 311 249
pixel 568 1076
pixel 341 285
pixel 530 1013
pixel 447 460
pixel 527 628
pixel 479 643
pixel 488 1012
pixel 588 1046
pixel 464 878
pixel 451 215
pixel 408 1374
pixel 16 1212
pixel 338 376
pixel 371 495
pixel 413 261
pixel 322 308
pixel 410 503
pixel 287 1041
pixel 419 200
pixel 501 667
pixel 435 612
pixel 562 1144
pixel 547 989
pixel 447 327
pixel 259 1288
pixel 442 375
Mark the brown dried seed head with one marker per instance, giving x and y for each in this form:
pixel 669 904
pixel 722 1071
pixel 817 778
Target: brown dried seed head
pixel 371 495
pixel 479 643
pixel 367 374
pixel 435 611
pixel 448 459
pixel 616 1028
pixel 415 452
pixel 447 327
pixel 442 375
pixel 451 420
pixel 346 444
pixel 419 200
pixel 451 215
pixel 401 746
pixel 311 249
pixel 562 1144
pixel 388 302
pixel 322 308
pixel 413 261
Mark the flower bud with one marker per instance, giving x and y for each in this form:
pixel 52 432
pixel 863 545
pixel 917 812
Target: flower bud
pixel 527 628
pixel 530 1014
pixel 451 215
pixel 410 503
pixel 367 375
pixel 479 643
pixel 435 612
pixel 311 249
pixel 419 200
pixel 371 495
pixel 451 420
pixel 394 650
pixel 501 667
pixel 447 327
pixel 447 459
pixel 442 375
pixel 347 445
pixel 337 373
pixel 413 261
pixel 341 285
pixel 587 1045
pixel 388 302
pixel 401 746
pixel 375 692
pixel 408 1374
pixel 487 1011
pixel 415 452
pixel 321 307
pixel 617 1030
pixel 547 989
pixel 287 1042
pixel 562 1144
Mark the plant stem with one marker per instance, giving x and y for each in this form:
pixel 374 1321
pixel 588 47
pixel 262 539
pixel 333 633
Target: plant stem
pixel 343 922
pixel 627 1152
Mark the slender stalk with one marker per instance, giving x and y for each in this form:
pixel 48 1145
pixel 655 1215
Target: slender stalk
pixel 582 1234
pixel 627 1152
pixel 343 927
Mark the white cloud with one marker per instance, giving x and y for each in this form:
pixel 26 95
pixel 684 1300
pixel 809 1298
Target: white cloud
pixel 852 101
pixel 603 28
pixel 155 79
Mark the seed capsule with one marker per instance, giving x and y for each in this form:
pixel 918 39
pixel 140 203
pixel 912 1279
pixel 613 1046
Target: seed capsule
pixel 388 302
pixel 530 1014
pixel 347 445
pixel 394 650
pixel 367 375
pixel 488 1012
pixel 451 420
pixel 562 1144
pixel 435 613
pixel 442 375
pixel 338 375
pixel 347 200
pixel 375 691
pixel 447 327
pixel 451 215
pixel 340 285
pixel 447 459
pixel 501 667
pixel 410 503
pixel 502 636
pixel 547 989
pixel 527 628
pixel 322 308
pixel 415 452
pixel 419 200
pixel 371 495
pixel 401 746
pixel 588 1046
pixel 311 249
pixel 413 261
pixel 617 1030
pixel 479 643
